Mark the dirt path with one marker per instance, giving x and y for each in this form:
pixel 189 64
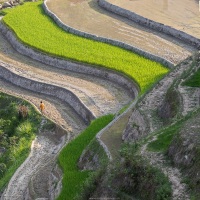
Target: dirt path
pixel 183 15
pixel 43 152
pixel 190 98
pixel 95 20
pixel 61 113
pixel 99 95
pixel 153 100
pixel 179 191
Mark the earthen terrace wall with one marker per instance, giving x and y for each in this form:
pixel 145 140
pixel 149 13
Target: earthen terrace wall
pixel 105 40
pixel 47 89
pixel 150 23
pixel 101 72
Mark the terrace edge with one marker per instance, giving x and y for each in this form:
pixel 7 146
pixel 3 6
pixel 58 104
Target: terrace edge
pixel 123 45
pixel 110 75
pixel 52 90
pixel 185 37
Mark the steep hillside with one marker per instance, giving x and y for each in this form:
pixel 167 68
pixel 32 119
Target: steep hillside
pixel 166 146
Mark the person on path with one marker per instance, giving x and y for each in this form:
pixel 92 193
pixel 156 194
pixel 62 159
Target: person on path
pixel 42 107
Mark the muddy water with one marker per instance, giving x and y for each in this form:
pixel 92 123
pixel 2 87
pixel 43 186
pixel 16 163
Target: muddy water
pixel 87 16
pixel 181 14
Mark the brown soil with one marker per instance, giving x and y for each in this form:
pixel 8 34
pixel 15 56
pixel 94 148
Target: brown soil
pixel 183 15
pixel 99 95
pixel 93 19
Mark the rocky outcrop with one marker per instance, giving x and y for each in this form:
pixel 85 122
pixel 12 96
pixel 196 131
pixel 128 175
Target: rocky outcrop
pixel 184 152
pixel 6 5
pixel 89 160
pixel 136 128
pixel 170 106
pixel 149 120
pixel 9 4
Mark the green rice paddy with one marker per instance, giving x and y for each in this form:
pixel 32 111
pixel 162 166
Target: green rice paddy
pixel 73 178
pixel 37 30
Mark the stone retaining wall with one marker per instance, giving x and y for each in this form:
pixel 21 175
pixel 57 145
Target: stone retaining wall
pixel 150 23
pixel 106 40
pixel 47 89
pixel 104 73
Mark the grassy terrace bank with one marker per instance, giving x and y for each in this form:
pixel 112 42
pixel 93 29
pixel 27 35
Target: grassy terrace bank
pixel 37 30
pixel 16 135
pixel 73 178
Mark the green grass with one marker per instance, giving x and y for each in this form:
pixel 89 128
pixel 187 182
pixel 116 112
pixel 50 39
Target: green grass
pixel 16 135
pixel 73 178
pixel 194 81
pixel 164 138
pixel 34 28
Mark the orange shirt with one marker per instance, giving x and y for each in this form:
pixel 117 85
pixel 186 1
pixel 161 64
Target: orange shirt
pixel 42 106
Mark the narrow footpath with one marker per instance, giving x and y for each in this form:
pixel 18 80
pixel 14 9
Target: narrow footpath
pixel 100 96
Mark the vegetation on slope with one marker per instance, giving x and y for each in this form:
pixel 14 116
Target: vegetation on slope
pixel 184 151
pixel 164 138
pixel 93 158
pixel 16 134
pixel 131 177
pixel 180 142
pixel 194 80
pixel 36 29
pixel 139 178
pixel 73 178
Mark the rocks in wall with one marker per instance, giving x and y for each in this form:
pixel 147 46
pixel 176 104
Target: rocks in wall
pixel 184 151
pixel 9 4
pixel 6 5
pixel 136 127
pixel 170 106
pixel 89 161
pixel 106 40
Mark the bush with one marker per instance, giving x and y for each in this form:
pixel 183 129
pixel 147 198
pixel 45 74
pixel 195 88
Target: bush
pixel 2 169
pixel 137 177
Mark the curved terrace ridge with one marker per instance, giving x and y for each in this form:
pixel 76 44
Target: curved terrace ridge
pixel 104 39
pixel 52 90
pixel 95 20
pixel 150 23
pixel 72 66
pixel 93 54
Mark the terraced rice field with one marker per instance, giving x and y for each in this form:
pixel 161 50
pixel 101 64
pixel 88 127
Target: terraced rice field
pixel 183 15
pixel 93 19
pixel 100 96
pixel 39 32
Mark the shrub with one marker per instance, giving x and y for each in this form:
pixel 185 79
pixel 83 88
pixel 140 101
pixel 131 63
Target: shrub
pixel 2 169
